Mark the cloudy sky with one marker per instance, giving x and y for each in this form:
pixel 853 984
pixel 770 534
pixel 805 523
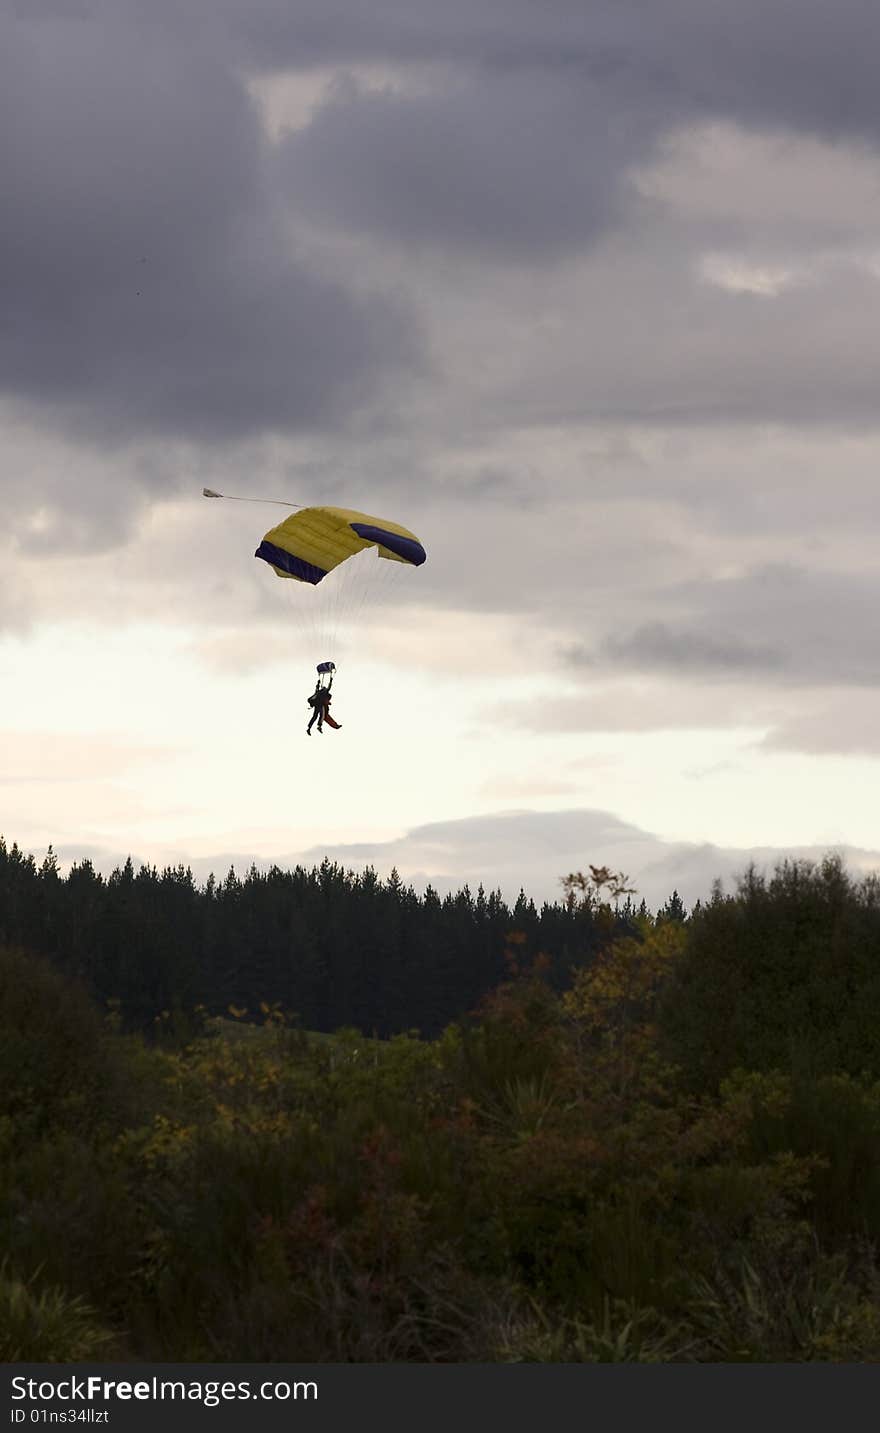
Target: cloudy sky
pixel 585 293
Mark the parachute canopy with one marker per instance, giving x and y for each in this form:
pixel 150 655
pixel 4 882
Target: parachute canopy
pixel 310 543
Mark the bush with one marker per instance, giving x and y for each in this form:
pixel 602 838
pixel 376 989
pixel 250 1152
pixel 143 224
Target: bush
pixel 57 1068
pixel 783 975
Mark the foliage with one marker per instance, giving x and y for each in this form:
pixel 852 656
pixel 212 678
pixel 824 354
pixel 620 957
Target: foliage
pixel 821 1309
pixel 625 1333
pixel 552 1178
pixel 56 1063
pixel 785 974
pixel 44 1325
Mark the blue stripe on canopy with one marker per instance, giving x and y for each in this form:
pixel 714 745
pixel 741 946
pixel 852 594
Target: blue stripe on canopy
pixel 286 562
pixel 405 547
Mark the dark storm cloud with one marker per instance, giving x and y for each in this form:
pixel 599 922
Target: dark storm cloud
pixel 522 149
pixel 808 64
pixel 778 622
pixel 146 273
pixel 515 164
pixel 658 645
pixel 149 280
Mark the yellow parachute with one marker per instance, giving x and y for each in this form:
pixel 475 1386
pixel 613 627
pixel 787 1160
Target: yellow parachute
pixel 314 541
pixel 333 551
pixel 318 543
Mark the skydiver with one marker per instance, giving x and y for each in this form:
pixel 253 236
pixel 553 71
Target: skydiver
pixel 326 714
pixel 316 702
pixel 320 702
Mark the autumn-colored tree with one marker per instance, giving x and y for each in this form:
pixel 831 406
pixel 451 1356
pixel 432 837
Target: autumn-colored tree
pixel 614 1004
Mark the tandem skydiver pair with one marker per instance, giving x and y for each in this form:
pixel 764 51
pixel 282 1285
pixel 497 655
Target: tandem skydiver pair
pixel 320 700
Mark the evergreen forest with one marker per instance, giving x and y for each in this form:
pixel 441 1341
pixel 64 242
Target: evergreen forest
pixel 329 947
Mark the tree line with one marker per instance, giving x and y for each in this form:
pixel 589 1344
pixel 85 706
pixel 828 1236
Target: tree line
pixel 331 947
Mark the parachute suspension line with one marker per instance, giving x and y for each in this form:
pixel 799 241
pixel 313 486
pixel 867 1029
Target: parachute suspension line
pixel 393 579
pixel 339 585
pixel 316 627
pixel 361 578
pixel 372 584
pixel 338 582
pixel 326 617
pixel 366 580
pixel 361 571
